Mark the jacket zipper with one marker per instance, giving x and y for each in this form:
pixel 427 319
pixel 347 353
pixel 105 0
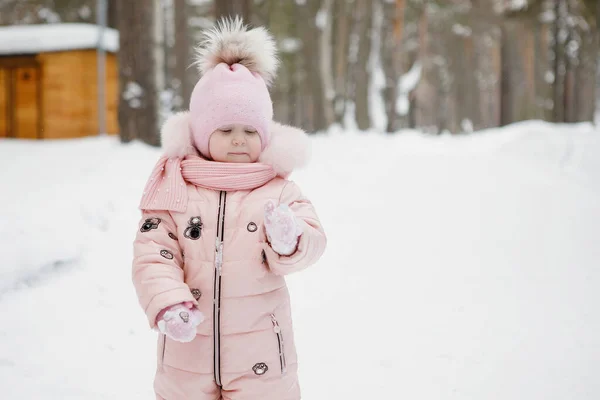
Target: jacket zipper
pixel 277 331
pixel 217 287
pixel 162 355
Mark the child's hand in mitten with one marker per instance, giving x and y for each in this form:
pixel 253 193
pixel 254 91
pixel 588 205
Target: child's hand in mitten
pixel 179 321
pixel 282 229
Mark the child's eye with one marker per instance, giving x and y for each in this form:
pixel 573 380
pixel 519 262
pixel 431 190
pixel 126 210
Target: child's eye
pixel 250 132
pixel 225 130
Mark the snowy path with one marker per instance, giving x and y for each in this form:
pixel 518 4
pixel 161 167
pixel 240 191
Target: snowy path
pixel 457 268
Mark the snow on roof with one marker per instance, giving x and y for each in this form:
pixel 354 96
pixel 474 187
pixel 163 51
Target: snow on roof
pixel 33 39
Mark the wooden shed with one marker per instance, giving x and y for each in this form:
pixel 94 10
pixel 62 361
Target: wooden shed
pixel 49 81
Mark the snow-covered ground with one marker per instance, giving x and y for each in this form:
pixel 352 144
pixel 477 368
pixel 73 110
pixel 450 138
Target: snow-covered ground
pixel 458 268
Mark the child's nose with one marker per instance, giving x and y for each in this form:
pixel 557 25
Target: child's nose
pixel 238 140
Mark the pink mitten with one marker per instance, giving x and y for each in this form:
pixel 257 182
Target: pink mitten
pixel 179 321
pixel 282 229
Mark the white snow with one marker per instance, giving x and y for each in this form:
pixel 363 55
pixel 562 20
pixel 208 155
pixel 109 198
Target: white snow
pixel 458 267
pixel 85 12
pixel 510 5
pixel 518 4
pixel 321 18
pixel 466 125
pixel 410 80
pixel 349 121
pixel 290 44
pixel 33 39
pixel 462 30
pixel 133 94
pixel 406 84
pixel 49 15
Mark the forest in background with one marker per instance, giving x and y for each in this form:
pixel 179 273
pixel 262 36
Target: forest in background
pixel 434 65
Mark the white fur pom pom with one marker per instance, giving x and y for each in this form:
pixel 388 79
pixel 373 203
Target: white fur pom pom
pixel 231 42
pixel 288 149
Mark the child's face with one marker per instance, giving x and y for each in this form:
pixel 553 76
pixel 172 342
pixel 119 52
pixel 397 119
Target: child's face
pixel 235 143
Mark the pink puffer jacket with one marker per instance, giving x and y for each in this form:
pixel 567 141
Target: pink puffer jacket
pixel 245 347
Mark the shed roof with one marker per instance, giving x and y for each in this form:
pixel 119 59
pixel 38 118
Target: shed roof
pixel 34 39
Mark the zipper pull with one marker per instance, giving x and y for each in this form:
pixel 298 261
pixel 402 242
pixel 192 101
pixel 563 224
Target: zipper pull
pixel 219 255
pixel 276 327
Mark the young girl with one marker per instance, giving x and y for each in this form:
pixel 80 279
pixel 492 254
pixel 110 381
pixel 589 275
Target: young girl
pixel 221 226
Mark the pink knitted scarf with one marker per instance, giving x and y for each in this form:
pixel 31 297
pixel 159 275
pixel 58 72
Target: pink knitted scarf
pixel 166 188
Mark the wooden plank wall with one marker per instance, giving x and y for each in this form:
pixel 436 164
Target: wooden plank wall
pixel 112 94
pixel 3 102
pixel 63 95
pixel 20 114
pixel 70 94
pixel 26 102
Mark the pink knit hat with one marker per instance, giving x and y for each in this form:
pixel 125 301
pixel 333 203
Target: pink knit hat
pixel 229 95
pixel 237 65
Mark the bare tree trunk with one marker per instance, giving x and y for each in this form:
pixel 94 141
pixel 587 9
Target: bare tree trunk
pixel 446 111
pixel 585 81
pixel 137 73
pixel 412 97
pixel 544 88
pixel 426 95
pixel 183 72
pixel 527 65
pixel 363 23
pixel 506 115
pixel 231 8
pixel 112 20
pixel 493 93
pixel 558 64
pixel 596 56
pixel 391 51
pixel 568 92
pixel 160 52
pixel 282 24
pixel 342 17
pixel 569 78
pixel 325 57
pixel 486 37
pixel 315 101
pixel 518 70
pixel 468 84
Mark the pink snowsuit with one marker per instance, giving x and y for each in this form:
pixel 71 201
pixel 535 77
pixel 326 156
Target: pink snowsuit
pixel 244 350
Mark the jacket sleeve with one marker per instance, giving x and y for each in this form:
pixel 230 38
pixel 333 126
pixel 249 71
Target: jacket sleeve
pixel 157 272
pixel 312 242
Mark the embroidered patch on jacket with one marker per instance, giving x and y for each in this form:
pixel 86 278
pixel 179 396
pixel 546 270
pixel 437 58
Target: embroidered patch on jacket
pixel 185 316
pixel 260 368
pixel 172 236
pixel 149 224
pixel 252 227
pixel 194 229
pixel 196 293
pixel 166 254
